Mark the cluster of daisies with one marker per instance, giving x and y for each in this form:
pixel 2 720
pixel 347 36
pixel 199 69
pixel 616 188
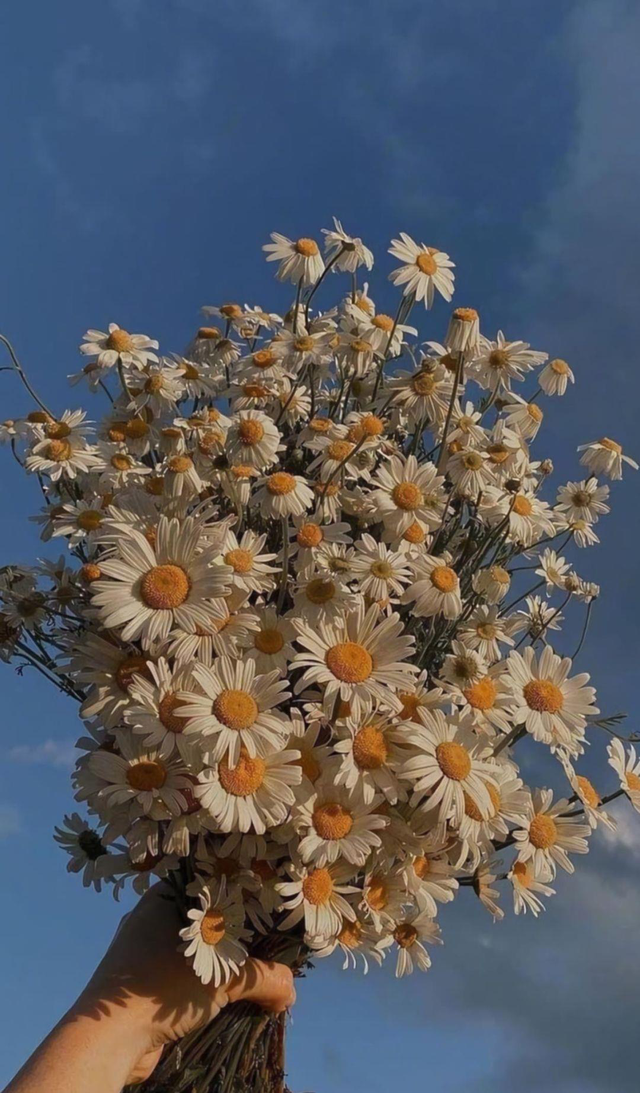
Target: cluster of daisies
pixel 286 611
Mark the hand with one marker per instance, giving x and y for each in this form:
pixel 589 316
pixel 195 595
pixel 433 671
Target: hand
pixel 144 972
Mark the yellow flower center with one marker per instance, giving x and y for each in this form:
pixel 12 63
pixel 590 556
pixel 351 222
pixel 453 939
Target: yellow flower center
pixel 180 464
pixel 410 706
pixel 350 935
pixel 167 707
pixel 250 431
pixel 147 775
pixel 268 641
pixel 212 927
pixel 154 485
pixel 57 430
pixel 235 709
pixel 58 450
pixel 128 669
pixel 370 749
pixel 241 561
pixel 360 346
pixel 611 445
pixel 165 587
pixel 405 935
pixel 499 575
pixel 498 359
pixel 117 432
pixel 466 314
pixel 317 887
pixel 560 367
pixel 208 442
pixel 534 412
pixel 136 429
pixel 320 425
pixel 498 453
pixel 320 591
pixel 481 695
pixel 486 630
pixel 349 662
pixel 121 462
pixel 524 873
pixel 89 573
pixel 633 781
pixel 332 821
pixel 543 695
pixel 377 893
pixel 89 520
pixel 339 450
pixel 407 496
pixel 154 384
pixel 211 333
pixel 383 322
pixel 414 534
pixel 381 569
pixel 369 425
pixel 280 483
pixel 309 536
pixel 120 341
pixel 422 867
pixel 543 831
pixel 255 390
pixel 244 779
pixel 588 792
pixel 231 311
pixel 308 248
pixel 522 505
pixel 444 578
pixel 264 358
pixel 472 461
pixel 424 383
pixel 453 760
pixel 426 263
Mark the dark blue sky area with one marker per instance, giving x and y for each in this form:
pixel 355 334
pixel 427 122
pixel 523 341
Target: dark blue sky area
pixel 148 147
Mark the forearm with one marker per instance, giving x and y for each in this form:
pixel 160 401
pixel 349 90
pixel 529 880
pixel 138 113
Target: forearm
pixel 87 1052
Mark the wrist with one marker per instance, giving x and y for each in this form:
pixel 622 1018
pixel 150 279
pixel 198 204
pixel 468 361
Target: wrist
pixel 126 1018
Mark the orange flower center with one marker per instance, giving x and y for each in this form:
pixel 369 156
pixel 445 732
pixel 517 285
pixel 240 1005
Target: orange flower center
pixel 426 263
pixel 57 430
pixel 543 831
pixel 308 248
pixel 264 358
pixel 522 505
pixel 370 749
pixel 211 333
pixel 244 779
pixel 120 341
pixel 90 572
pixel 414 534
pixel 424 383
pixel 250 432
pixel 410 706
pixel 588 792
pixel 481 695
pixel 350 935
pixel 421 867
pixel 280 483
pixel 560 367
pixel 339 450
pixel 89 520
pixel 332 821
pixel 543 695
pixel 405 935
pixel 633 781
pixel 444 578
pixel 167 707
pixel 383 322
pixel 165 587
pixel 212 927
pixel 499 575
pixel 407 496
pixel 309 536
pixel 317 887
pixel 128 669
pixel 349 662
pixel 180 464
pixel 320 424
pixel 235 709
pixel 154 384
pixel 381 569
pixel 58 450
pixel 241 561
pixel 498 453
pixel 524 873
pixel 268 641
pixel 320 591
pixel 611 445
pixel 147 775
pixel 453 760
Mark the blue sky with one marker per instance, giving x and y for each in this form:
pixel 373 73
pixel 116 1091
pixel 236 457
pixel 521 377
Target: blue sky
pixel 148 148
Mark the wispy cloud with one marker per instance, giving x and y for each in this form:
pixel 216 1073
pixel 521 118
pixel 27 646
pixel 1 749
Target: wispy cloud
pixel 9 821
pixel 51 753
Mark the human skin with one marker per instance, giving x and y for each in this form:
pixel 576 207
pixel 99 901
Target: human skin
pixel 142 995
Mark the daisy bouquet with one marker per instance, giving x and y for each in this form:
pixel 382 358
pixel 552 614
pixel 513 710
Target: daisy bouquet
pixel 290 611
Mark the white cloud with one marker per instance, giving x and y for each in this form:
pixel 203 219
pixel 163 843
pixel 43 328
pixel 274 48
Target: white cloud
pixel 52 753
pixel 9 821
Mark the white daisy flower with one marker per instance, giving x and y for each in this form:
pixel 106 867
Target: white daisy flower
pixel 410 936
pixel 282 494
pixel 118 346
pixel 529 519
pixel 214 941
pixel 382 331
pixel 355 939
pixel 627 767
pixel 527 888
pixel 249 567
pixel 152 709
pixel 310 538
pixel 159 388
pixel 584 500
pixel 59 458
pixel 486 702
pixel 446 767
pixel 436 589
pixel 470 471
pixel 554 569
pixel 606 457
pixel 550 835
pixel 370 753
pixel 358 660
pixel 424 269
pixel 379 571
pixel 485 631
pixel 253 438
pixel 407 492
pixel 270 644
pixel 501 361
pixel 84 847
pixel 149 590
pixel 346 253
pixel 551 706
pixel 538 617
pixel 492 583
pixel 555 376
pixel 322 599
pixel 300 261
pixel 334 823
pixel 585 791
pixel 317 895
pixel 226 631
pixel 138 776
pixel 423 396
pixel 235 710
pixel 430 879
pixel 253 795
pixel 117 468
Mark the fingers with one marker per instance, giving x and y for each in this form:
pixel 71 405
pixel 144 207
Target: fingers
pixel 267 984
